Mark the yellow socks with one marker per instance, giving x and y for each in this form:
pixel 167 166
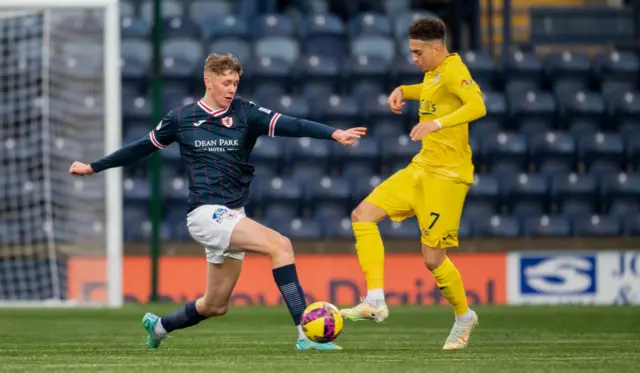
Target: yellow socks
pixel 450 284
pixel 370 253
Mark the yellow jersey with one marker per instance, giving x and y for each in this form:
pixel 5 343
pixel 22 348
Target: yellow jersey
pixel 448 95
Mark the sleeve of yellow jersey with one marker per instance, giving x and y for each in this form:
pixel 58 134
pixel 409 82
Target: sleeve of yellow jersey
pixel 411 92
pixel 458 81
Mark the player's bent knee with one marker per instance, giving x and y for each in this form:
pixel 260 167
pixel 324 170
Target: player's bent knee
pixel 433 257
pixel 367 213
pixel 279 247
pixel 211 310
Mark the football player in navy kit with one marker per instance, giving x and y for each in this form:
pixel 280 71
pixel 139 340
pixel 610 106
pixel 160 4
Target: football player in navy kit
pixel 216 136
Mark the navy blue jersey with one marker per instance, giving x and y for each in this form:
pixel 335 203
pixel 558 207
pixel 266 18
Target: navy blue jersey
pixel 215 146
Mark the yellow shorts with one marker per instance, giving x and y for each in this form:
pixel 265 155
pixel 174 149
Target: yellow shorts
pixel 436 201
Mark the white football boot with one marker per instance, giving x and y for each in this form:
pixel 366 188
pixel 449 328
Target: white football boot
pixel 459 336
pixel 367 311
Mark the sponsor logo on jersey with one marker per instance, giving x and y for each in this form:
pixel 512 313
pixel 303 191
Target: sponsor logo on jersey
pixel 223 213
pixel 466 83
pixel 264 110
pixel 198 123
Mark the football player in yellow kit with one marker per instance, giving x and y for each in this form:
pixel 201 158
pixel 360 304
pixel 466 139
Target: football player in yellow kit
pixel 433 186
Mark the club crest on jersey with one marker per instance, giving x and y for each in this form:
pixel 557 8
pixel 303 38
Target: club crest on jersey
pixel 436 79
pixel 227 121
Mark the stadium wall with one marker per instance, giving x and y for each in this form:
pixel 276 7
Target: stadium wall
pixel 541 277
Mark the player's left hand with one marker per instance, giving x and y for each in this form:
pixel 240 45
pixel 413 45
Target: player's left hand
pixel 349 136
pixel 80 169
pixel 422 129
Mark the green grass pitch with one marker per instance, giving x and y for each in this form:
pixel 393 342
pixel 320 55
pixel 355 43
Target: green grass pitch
pixel 256 340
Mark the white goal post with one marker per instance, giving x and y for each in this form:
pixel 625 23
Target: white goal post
pixel 61 239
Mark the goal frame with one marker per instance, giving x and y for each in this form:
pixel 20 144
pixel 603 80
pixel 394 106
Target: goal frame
pixel 112 142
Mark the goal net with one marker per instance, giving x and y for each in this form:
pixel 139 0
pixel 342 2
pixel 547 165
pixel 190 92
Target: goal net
pixel 60 236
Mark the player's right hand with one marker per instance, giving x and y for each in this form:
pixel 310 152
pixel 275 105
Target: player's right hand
pixel 80 169
pixel 395 101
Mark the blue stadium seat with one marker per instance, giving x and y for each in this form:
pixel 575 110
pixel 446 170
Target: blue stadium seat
pixel 632 226
pixel 182 59
pixel 367 92
pixel 399 150
pixel 385 129
pixel 170 8
pixel 374 46
pixel 574 66
pixel 305 172
pixel 612 88
pixel 280 47
pixel 629 128
pixel 315 90
pixel 136 224
pixel 580 127
pixel 547 226
pixel 338 228
pixel 496 105
pixel 241 49
pixel 621 187
pixel 326 45
pixel 271 25
pixel 571 209
pixel 633 145
pixel 368 24
pixel 322 25
pixel 282 192
pixel 553 146
pixel 136 108
pixel 298 228
pixel 523 65
pixel 573 188
pixel 336 108
pixel 601 147
pixel 177 27
pixel 531 127
pixel 313 69
pixel 625 105
pixel 482 68
pixel 309 151
pixel 267 153
pixel 131 27
pixel 497 226
pixel 604 168
pixel 596 226
pixel 530 188
pixel 137 49
pixel 552 168
pixel 295 106
pixel 204 11
pixel 277 210
pixel 403 21
pixel 377 110
pixel 270 70
pixel 362 185
pixel 135 190
pixel 484 190
pixel 175 225
pixel 364 152
pixel 506 146
pixel 533 105
pixel 175 188
pixel 363 69
pixel 327 190
pixel 566 87
pixel 407 229
pixel 616 65
pixel 523 209
pixel 330 211
pixel 475 211
pixel 624 209
pixel 127 9
pixel 223 26
pixel 583 105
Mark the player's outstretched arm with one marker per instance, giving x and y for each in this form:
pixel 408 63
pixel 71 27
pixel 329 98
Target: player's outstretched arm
pixel 121 157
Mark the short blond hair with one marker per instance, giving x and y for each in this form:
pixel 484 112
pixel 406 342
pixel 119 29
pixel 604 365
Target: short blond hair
pixel 221 63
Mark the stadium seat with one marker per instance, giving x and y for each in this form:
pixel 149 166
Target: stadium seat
pixel 403 21
pixel 204 11
pixel 298 228
pixel 136 224
pixel 405 70
pixel 131 27
pixel 276 210
pixel 583 105
pixel 604 168
pixel 481 66
pixel 338 228
pixel 224 26
pixel 475 211
pixel 330 211
pixel 272 25
pixel 596 226
pixel 322 24
pixel 568 87
pixel 571 209
pixel 135 190
pixel 632 226
pixel 573 66
pixel 136 108
pixel 532 105
pixel 484 190
pixel 621 187
pixel 170 8
pixel 270 70
pixel 376 110
pixel 326 45
pixel 280 47
pixel 308 151
pixel 364 69
pixel 600 147
pixel 572 188
pixel 374 46
pixel 327 191
pixel 385 129
pixel 505 146
pixel 553 146
pixel 552 168
pixel 624 209
pixel 182 60
pixel 525 189
pixel 364 152
pixel 547 226
pixel 237 47
pixel 399 150
pixel 305 172
pixel 175 224
pixel 531 127
pixel 267 153
pixel 336 108
pixel 183 28
pixel 315 91
pixel 281 191
pixel 523 65
pixel 581 127
pixel 497 226
pixel 496 105
pixel 616 65
pixel 629 129
pixel 407 229
pixel 127 9
pixel 367 92
pixel 313 69
pixel 362 185
pixel 369 24
pixel 625 106
pixel 633 145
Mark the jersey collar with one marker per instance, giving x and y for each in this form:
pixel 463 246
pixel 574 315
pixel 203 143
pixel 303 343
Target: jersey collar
pixel 209 110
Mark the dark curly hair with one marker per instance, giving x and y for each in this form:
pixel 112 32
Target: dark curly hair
pixel 427 29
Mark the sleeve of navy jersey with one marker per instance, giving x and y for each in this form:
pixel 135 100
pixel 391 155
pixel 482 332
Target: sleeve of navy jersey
pixel 159 138
pixel 270 123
